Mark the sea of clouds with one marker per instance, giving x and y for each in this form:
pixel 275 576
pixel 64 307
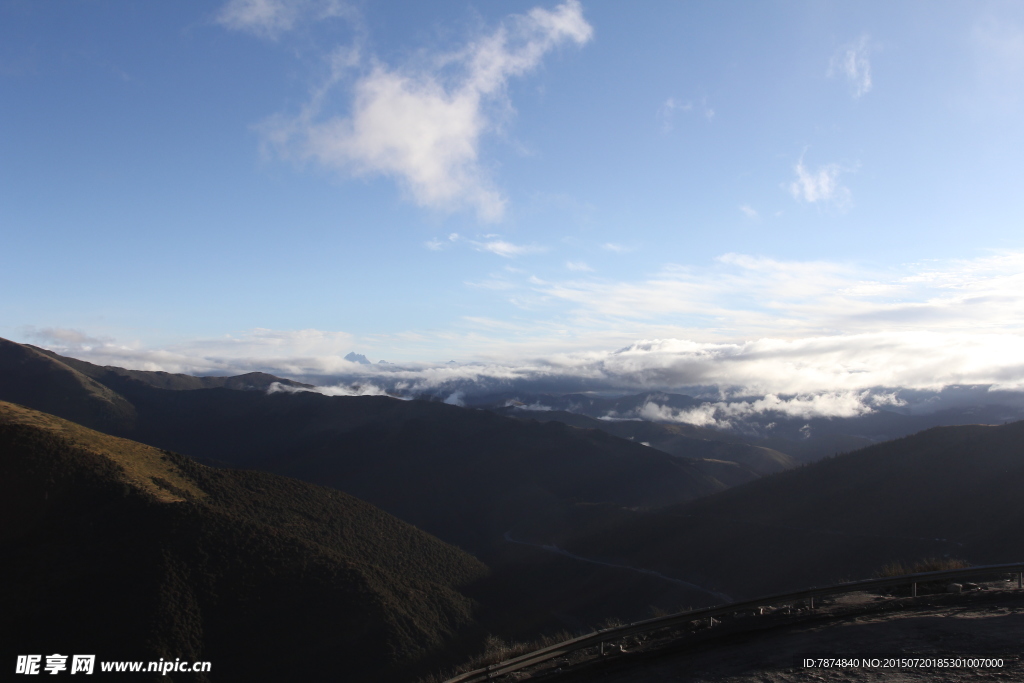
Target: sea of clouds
pixel 831 376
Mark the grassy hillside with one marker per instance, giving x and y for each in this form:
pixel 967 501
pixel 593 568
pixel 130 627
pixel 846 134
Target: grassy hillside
pixel 121 549
pixel 946 491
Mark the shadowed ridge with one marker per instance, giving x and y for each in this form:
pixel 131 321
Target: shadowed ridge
pixel 131 552
pixel 33 377
pixel 947 491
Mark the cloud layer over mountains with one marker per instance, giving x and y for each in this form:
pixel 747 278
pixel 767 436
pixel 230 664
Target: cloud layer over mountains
pixel 840 376
pixel 803 338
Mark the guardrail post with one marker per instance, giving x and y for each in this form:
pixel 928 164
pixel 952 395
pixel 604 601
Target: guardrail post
pixel 602 647
pixel 1020 579
pixel 913 589
pixel 812 602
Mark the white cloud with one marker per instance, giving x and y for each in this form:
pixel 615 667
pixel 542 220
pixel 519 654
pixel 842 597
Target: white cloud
pixel 438 244
pixel 267 18
pixel 617 248
pixel 741 296
pixel 666 113
pixel 422 125
pixel 821 185
pixel 271 18
pixel 507 249
pixel 456 399
pixel 365 389
pixel 805 377
pixel 852 62
pixel 725 414
pixel 578 266
pixel 749 212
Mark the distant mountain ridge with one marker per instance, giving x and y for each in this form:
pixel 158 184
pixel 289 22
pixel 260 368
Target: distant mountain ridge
pixel 727 459
pixel 804 437
pixel 46 382
pixel 175 381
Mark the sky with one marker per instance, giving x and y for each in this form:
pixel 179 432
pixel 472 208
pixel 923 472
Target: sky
pixel 793 197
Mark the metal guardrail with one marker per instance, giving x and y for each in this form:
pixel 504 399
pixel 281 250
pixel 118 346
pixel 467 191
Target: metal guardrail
pixel 599 637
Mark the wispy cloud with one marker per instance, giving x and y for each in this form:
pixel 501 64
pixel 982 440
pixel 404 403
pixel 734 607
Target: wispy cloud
pixel 272 18
pixel 438 244
pixel 617 248
pixel 852 62
pixel 66 338
pixel 666 113
pixel 578 266
pixel 997 40
pixel 494 282
pixel 749 212
pixel 422 124
pixel 819 185
pixel 742 296
pixel 507 249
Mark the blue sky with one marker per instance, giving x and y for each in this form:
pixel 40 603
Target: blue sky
pixel 271 184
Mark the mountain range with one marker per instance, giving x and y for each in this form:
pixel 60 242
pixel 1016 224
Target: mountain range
pixel 467 476
pixel 147 515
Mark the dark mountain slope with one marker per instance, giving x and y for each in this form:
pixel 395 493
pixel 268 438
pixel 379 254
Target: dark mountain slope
pixel 119 549
pixel 465 475
pixel 497 473
pixel 946 491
